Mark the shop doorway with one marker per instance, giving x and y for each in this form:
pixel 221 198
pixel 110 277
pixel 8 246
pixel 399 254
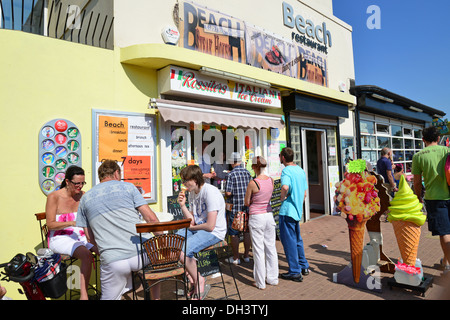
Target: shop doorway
pixel 314 154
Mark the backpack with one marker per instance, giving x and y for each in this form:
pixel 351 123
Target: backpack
pixel 447 169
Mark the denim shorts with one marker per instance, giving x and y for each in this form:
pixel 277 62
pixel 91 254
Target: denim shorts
pixel 197 241
pixel 438 216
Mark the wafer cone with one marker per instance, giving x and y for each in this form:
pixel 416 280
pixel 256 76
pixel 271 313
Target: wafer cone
pixel 408 236
pixel 356 231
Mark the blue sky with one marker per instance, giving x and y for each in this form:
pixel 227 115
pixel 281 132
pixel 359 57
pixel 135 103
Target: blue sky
pixel 409 54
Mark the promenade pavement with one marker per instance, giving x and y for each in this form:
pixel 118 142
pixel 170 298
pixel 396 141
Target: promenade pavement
pixel 327 250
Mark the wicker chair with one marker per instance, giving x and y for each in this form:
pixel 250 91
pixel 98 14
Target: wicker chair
pixel 41 217
pixel 163 255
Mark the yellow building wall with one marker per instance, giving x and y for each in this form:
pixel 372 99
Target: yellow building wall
pixel 42 79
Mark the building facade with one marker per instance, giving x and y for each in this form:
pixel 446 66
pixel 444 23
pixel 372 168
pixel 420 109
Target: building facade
pixel 146 84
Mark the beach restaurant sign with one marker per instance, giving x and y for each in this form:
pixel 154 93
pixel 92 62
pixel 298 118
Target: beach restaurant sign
pixel 302 56
pixel 186 82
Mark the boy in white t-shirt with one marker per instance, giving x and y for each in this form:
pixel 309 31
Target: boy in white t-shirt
pixel 208 223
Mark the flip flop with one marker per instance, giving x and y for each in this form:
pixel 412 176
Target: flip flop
pixel 203 294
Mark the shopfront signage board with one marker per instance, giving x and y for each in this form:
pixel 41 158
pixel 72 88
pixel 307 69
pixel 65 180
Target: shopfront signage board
pixel 186 82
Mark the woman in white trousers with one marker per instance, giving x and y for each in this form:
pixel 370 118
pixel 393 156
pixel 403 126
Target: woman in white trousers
pixel 262 226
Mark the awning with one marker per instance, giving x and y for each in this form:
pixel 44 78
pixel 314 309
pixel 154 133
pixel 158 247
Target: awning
pixel 187 112
pixel 311 105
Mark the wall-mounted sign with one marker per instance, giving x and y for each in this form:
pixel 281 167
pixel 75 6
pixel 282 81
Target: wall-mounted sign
pixel 129 139
pixel 302 56
pixel 170 35
pixel 307 27
pixel 211 32
pixel 59 148
pixel 270 52
pixel 180 81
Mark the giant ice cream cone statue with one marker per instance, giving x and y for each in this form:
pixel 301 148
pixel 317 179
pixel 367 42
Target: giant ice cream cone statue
pixel 357 198
pixel 407 218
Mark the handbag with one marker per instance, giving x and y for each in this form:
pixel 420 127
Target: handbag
pixel 240 221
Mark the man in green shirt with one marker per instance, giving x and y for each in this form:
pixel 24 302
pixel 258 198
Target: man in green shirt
pixel 429 163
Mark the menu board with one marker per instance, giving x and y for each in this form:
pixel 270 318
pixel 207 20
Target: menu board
pixel 208 263
pixel 129 139
pixel 59 148
pixel 275 202
pixel 173 207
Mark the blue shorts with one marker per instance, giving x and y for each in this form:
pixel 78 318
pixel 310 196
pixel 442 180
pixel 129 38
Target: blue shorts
pixel 438 216
pixel 197 241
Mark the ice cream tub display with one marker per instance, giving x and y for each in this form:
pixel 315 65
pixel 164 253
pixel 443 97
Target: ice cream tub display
pixel 58 141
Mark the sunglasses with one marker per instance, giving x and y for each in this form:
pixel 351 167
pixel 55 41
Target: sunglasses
pixel 76 184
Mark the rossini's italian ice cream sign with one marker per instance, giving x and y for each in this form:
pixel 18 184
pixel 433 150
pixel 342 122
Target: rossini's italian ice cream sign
pixel 179 81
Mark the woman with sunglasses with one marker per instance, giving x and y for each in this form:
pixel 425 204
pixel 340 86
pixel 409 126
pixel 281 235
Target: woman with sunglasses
pixel 61 215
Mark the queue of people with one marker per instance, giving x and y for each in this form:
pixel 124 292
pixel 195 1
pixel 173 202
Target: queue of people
pixel 244 193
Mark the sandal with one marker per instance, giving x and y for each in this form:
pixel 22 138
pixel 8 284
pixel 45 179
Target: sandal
pixel 441 263
pixel 191 292
pixel 202 296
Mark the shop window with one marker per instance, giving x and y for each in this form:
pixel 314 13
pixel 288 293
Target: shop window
pixel 384 142
pixel 408 166
pixel 409 155
pixel 368 142
pixel 188 144
pixel 398 156
pixel 396 131
pixel 382 128
pixel 403 138
pixel 417 133
pixel 179 154
pixel 367 127
pixel 331 144
pixel 409 144
pixel 407 132
pixel 295 144
pixel 347 150
pixel 397 143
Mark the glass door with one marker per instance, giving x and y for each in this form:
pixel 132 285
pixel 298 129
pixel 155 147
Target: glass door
pixel 314 154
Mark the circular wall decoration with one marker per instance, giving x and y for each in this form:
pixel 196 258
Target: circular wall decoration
pixel 59 148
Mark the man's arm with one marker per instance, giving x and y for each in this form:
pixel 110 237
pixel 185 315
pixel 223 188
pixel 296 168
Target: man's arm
pixel 418 186
pixel 148 214
pixel 284 192
pixel 391 179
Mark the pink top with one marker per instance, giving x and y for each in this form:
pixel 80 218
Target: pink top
pixel 260 201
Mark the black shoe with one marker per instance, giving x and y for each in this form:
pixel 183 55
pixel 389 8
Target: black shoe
pixel 294 277
pixel 305 272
